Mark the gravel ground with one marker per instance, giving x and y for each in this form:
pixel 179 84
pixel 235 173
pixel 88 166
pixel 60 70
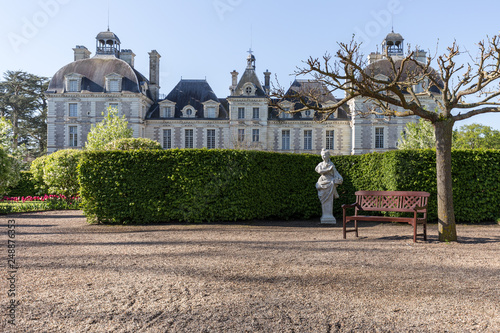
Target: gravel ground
pixel 295 276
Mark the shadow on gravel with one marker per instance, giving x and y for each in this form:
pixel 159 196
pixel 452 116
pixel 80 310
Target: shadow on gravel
pixel 478 240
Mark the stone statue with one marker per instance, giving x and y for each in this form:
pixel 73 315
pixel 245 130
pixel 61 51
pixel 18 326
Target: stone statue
pixel 327 186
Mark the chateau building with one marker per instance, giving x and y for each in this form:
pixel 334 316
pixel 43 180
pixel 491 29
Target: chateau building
pixel 192 116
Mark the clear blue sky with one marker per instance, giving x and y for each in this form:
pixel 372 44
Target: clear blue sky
pixel 209 38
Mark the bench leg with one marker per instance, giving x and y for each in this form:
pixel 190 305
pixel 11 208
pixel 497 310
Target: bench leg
pixel 356 227
pixel 344 228
pixel 425 231
pixel 414 231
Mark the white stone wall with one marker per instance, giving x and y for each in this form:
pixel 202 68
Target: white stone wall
pixel 89 112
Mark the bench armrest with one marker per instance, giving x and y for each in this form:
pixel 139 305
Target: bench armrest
pixel 345 206
pixel 417 208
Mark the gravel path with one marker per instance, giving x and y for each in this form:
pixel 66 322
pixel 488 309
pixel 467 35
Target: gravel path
pixel 293 276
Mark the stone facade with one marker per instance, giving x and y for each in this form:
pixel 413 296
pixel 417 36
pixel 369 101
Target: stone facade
pixel 192 116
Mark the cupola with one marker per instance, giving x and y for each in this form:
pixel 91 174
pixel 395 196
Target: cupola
pixel 107 43
pixel 393 44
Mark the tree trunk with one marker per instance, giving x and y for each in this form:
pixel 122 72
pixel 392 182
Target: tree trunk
pixel 446 215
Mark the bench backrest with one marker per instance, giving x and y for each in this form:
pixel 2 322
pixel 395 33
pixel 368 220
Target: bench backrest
pixel 392 201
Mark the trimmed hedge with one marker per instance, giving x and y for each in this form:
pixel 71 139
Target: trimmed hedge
pixel 227 185
pixel 196 185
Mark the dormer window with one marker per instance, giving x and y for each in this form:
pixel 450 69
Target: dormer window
pixel 114 86
pixel 211 109
pixel 114 82
pixel 188 112
pixel 210 113
pixel 249 89
pixel 73 85
pixel 285 114
pixel 307 114
pixel 73 82
pixel 167 109
pixel 166 112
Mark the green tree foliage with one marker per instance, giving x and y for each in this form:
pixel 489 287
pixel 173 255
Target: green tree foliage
pixel 476 136
pixel 57 173
pixel 111 128
pixel 23 103
pixel 9 173
pixel 132 144
pixel 418 136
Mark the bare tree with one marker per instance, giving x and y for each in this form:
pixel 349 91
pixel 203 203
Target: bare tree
pixel 403 87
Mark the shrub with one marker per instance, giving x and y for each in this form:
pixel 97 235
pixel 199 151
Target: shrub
pixel 57 173
pixel 131 144
pixel 9 171
pixel 26 186
pixel 37 170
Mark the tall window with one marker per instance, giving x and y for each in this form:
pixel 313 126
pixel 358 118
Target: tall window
pixel 210 138
pixel 73 109
pixel 73 85
pixel 166 112
pixel 73 136
pixel 255 135
pixel 167 138
pixel 210 112
pixel 329 144
pixel 188 138
pixel 241 113
pixel 285 140
pixel 241 135
pixel 379 137
pixel 308 139
pixel 256 113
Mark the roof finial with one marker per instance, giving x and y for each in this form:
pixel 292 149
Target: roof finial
pixel 108 15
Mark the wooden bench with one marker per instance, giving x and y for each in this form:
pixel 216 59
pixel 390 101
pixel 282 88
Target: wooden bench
pixel 389 201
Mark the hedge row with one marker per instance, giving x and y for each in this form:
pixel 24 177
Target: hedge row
pixel 196 185
pixel 227 185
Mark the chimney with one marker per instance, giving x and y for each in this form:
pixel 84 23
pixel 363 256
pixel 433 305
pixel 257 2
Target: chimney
pixel 234 82
pixel 128 56
pixel 154 74
pixel 267 81
pixel 81 52
pixel 421 56
pixel 374 56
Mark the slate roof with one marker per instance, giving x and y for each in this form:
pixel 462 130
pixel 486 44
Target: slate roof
pixel 384 67
pixel 194 93
pixel 94 71
pixel 250 76
pixel 315 88
pixel 107 35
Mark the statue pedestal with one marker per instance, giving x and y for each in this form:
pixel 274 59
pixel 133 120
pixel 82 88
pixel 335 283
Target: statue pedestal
pixel 328 220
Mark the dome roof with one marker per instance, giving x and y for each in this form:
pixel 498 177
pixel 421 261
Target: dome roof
pixel 393 36
pixel 107 35
pixel 94 72
pixel 384 67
